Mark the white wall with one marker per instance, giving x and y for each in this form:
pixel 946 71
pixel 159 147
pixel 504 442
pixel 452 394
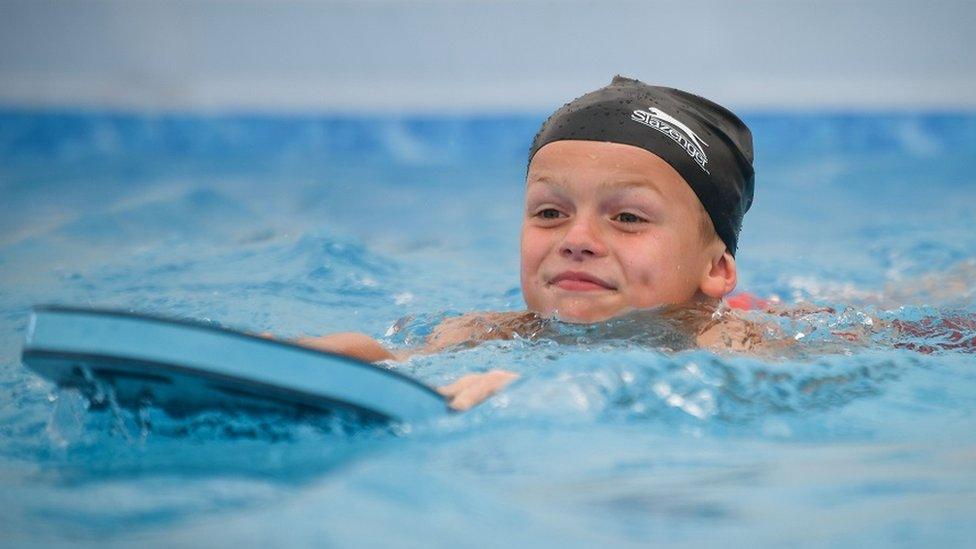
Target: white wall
pixel 482 55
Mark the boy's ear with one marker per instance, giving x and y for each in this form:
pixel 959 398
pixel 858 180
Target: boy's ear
pixel 720 275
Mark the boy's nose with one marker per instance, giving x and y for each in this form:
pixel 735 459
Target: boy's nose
pixel 581 241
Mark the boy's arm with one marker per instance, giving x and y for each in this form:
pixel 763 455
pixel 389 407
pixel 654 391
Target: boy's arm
pixel 452 332
pixel 463 394
pixel 468 390
pixel 351 344
pixel 466 330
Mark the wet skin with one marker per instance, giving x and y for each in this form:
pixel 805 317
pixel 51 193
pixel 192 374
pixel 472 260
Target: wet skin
pixel 609 228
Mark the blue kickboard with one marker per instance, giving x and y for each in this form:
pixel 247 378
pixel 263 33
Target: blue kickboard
pixel 184 366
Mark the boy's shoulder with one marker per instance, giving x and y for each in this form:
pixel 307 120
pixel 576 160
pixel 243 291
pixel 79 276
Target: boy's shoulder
pixel 736 330
pixel 731 333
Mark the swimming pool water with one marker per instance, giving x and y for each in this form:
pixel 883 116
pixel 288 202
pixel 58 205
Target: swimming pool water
pixel 307 225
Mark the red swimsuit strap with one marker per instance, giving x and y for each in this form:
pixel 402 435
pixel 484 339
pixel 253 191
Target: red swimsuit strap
pixel 746 302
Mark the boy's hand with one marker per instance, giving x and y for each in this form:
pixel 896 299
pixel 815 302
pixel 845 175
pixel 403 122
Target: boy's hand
pixel 472 389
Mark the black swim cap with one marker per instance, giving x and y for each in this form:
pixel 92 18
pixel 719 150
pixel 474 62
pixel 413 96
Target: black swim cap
pixel 704 142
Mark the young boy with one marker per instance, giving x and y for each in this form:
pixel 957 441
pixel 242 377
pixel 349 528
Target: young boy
pixel 634 199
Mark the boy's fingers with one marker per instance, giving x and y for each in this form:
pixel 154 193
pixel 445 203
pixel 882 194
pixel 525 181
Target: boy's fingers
pixel 461 403
pixel 503 377
pixel 472 396
pixel 454 388
pixel 461 384
pixel 477 388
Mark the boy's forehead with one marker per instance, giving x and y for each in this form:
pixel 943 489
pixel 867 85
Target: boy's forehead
pixel 603 164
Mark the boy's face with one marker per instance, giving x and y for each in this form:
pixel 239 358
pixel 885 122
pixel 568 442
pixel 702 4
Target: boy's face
pixel 610 228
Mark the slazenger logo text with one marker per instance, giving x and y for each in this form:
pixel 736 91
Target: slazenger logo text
pixel 673 128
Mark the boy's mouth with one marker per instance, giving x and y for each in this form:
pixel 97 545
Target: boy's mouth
pixel 575 281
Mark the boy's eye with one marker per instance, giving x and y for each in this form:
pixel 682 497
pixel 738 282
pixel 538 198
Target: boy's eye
pixel 549 213
pixel 627 217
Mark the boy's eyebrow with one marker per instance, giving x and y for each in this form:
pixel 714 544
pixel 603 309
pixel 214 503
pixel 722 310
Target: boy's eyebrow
pixel 631 183
pixel 612 184
pixel 544 181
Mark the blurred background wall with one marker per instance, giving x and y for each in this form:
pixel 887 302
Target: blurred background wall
pixel 482 55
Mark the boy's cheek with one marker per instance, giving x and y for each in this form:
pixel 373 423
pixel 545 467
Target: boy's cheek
pixel 534 298
pixel 532 254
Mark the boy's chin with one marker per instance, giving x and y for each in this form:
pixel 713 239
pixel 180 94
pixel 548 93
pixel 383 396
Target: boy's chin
pixel 589 312
pixel 581 319
pixel 582 313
